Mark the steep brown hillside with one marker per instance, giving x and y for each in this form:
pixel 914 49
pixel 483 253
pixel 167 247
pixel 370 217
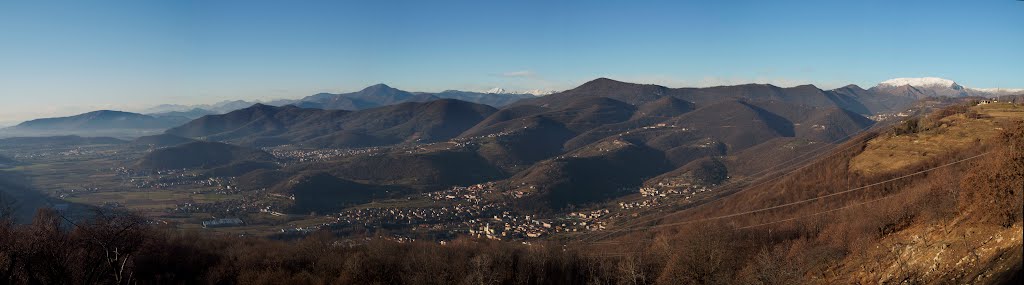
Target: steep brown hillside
pixel 949 217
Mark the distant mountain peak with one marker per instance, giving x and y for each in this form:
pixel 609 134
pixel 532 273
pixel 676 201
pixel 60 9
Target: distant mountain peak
pixel 930 87
pixel 851 86
pixel 1000 90
pixel 101 120
pixel 534 92
pixel 496 90
pixel 378 86
pixel 921 82
pixel 603 80
pixel 806 86
pixel 260 106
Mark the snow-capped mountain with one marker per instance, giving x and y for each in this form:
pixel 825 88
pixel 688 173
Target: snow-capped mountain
pixel 535 92
pixel 216 108
pixel 496 90
pixel 922 82
pixel 1000 91
pixel 934 87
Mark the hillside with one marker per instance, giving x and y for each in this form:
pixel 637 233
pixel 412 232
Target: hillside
pixel 940 134
pixel 423 171
pixel 432 121
pixel 668 130
pixel 370 97
pixel 590 175
pixel 7 162
pixel 797 193
pixel 263 125
pixel 215 108
pixel 634 94
pixel 254 120
pixel 554 149
pixel 909 204
pixel 191 114
pixel 380 95
pixel 667 151
pixel 199 154
pixel 876 102
pixel 241 168
pixel 552 144
pixel 864 102
pixel 490 99
pixel 102 120
pixel 104 123
pixel 323 193
pixel 162 140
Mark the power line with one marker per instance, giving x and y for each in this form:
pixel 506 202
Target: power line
pixel 756 174
pixel 802 201
pixel 619 254
pixel 818 213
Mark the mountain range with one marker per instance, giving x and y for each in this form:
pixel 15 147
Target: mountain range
pixel 936 87
pixel 574 147
pixel 381 95
pixel 216 108
pixel 159 118
pixel 411 122
pixel 96 123
pixel 200 154
pixel 582 146
pixel 103 119
pixel 534 92
pixel 578 146
pixel 888 96
pixel 369 97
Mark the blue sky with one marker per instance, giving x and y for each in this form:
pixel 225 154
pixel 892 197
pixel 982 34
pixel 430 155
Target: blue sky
pixel 65 57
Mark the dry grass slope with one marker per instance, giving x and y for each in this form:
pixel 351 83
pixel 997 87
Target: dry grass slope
pixel 947 135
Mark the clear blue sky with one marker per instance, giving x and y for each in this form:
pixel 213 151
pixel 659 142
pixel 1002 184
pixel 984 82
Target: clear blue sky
pixel 62 57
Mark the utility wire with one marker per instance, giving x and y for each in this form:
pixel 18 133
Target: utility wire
pixel 759 173
pixel 801 201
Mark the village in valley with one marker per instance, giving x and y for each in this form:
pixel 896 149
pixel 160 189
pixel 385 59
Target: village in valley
pixel 192 199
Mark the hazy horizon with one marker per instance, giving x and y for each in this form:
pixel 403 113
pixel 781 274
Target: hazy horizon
pixel 127 55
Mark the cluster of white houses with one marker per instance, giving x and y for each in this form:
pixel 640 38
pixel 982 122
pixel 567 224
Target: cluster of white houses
pixel 222 222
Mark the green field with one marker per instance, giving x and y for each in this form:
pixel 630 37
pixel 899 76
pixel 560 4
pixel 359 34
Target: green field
pixel 91 180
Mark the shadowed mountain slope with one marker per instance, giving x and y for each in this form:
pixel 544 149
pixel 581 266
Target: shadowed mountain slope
pixel 322 192
pixel 685 146
pixel 200 154
pixel 594 142
pixel 490 99
pixel 370 97
pixel 630 93
pixel 860 101
pixel 162 140
pixel 102 120
pixel 424 171
pixel 258 119
pixel 263 125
